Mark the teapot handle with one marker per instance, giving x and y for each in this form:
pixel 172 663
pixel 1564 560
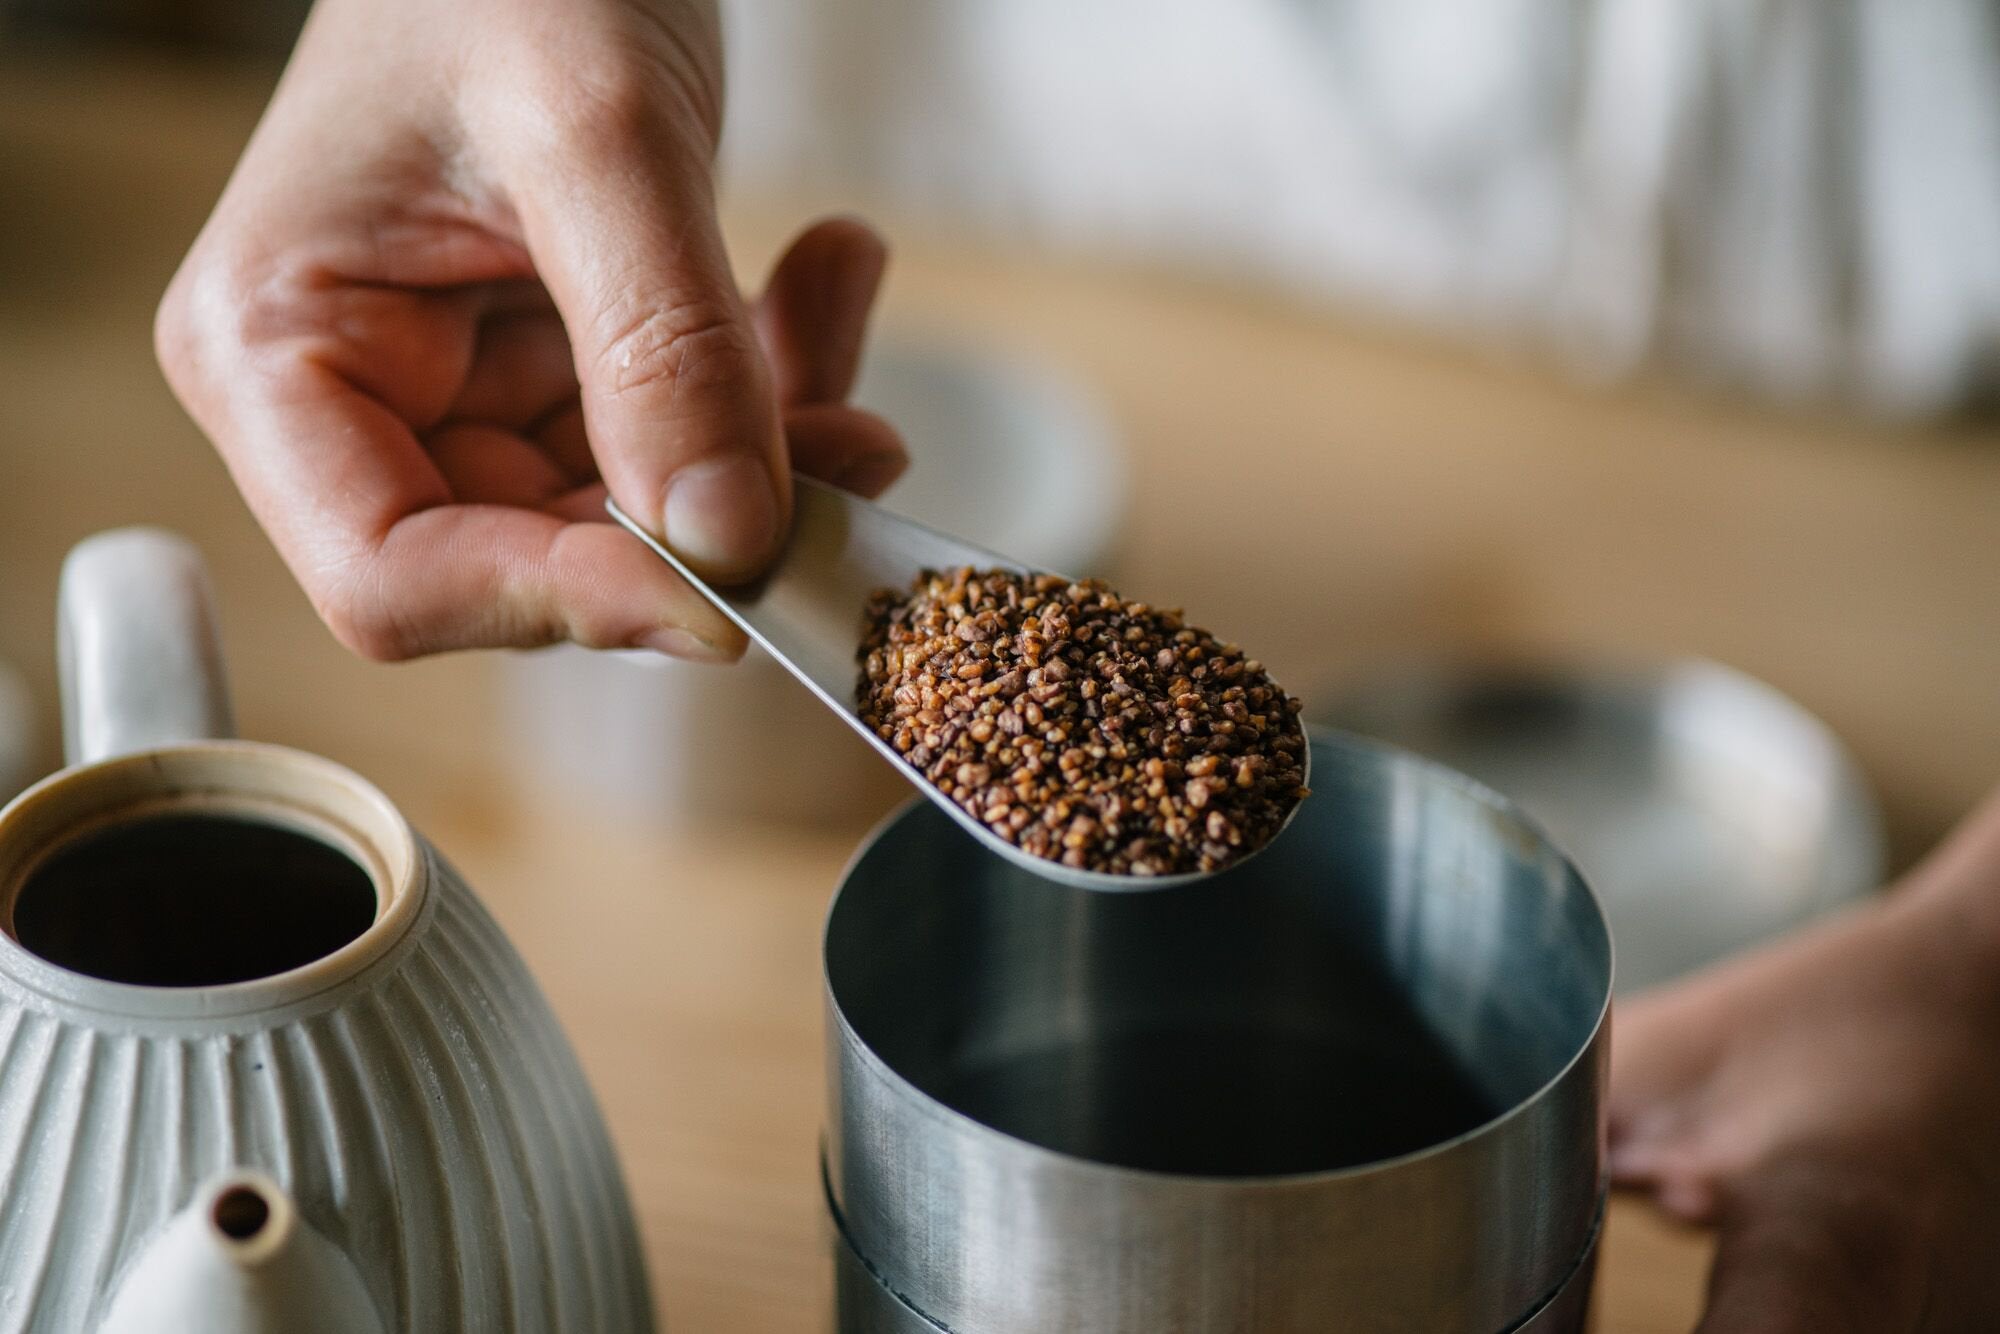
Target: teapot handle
pixel 137 647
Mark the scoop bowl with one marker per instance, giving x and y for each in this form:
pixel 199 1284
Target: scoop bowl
pixel 807 612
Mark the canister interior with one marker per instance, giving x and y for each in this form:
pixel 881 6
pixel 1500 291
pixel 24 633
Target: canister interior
pixel 1408 962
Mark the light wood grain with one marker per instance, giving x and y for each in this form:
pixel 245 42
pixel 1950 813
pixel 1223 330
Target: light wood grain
pixel 1327 492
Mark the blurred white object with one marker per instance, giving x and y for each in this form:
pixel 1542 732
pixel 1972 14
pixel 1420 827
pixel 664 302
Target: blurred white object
pixel 17 733
pixel 1791 196
pixel 650 737
pixel 1010 456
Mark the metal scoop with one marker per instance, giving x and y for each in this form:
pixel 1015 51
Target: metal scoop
pixel 807 612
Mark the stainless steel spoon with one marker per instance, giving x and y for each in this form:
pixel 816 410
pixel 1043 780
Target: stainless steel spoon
pixel 807 613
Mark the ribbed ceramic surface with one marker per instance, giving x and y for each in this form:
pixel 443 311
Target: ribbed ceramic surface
pixel 430 1120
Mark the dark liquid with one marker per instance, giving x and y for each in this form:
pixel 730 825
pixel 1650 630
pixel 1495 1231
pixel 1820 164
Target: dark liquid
pixel 191 901
pixel 1226 1102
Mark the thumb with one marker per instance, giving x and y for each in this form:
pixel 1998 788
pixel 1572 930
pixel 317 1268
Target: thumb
pixel 677 400
pixel 1797 1255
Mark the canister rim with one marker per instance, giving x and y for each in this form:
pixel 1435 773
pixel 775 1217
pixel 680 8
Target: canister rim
pixel 1585 1050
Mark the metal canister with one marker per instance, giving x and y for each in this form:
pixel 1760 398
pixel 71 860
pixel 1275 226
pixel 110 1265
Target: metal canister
pixel 1355 1084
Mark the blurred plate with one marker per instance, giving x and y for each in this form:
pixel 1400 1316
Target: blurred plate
pixel 1708 810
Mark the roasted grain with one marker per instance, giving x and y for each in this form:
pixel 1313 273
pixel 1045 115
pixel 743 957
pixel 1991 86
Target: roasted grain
pixel 1103 734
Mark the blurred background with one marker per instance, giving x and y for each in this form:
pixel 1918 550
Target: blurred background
pixel 1592 392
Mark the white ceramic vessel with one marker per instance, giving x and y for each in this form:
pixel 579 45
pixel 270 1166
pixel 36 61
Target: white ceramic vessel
pixel 17 732
pixel 393 1136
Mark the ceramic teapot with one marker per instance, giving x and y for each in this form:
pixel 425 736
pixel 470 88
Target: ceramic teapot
pixel 265 1062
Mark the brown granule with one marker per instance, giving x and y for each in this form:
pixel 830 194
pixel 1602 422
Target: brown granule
pixel 1104 734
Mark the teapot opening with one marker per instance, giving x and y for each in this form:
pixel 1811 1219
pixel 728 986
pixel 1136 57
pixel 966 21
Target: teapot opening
pixel 191 898
pixel 241 1212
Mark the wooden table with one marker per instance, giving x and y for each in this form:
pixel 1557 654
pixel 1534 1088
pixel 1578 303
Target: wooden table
pixel 1328 492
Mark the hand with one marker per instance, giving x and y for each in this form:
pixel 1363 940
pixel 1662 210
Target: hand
pixel 468 274
pixel 1832 1105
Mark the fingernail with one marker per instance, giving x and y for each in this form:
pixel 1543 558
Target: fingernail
pixel 721 514
pixel 685 644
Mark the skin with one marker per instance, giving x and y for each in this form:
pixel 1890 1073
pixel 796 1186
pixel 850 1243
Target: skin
pixel 1832 1106
pixel 466 277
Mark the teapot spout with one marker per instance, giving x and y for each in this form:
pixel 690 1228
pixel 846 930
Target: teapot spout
pixel 240 1260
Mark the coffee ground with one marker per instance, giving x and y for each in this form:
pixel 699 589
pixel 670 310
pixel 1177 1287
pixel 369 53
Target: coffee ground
pixel 1104 734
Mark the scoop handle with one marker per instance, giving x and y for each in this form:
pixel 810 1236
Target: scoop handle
pixel 137 647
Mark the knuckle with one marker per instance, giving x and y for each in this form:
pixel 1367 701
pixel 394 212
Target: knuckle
pixel 605 91
pixel 173 333
pixel 368 636
pixel 367 626
pixel 605 117
pixel 612 114
pixel 200 316
pixel 573 608
pixel 590 629
pixel 688 349
pixel 219 311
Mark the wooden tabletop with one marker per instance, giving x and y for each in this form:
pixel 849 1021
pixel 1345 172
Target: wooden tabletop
pixel 1330 492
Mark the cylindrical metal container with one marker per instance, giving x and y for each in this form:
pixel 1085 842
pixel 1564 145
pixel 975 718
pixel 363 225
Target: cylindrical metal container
pixel 1353 1085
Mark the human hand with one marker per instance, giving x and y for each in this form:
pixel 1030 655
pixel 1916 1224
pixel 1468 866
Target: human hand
pixel 467 275
pixel 1832 1106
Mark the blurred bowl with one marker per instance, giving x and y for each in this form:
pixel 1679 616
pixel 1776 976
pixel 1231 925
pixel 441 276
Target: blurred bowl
pixel 1708 810
pixel 1010 454
pixel 1015 456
